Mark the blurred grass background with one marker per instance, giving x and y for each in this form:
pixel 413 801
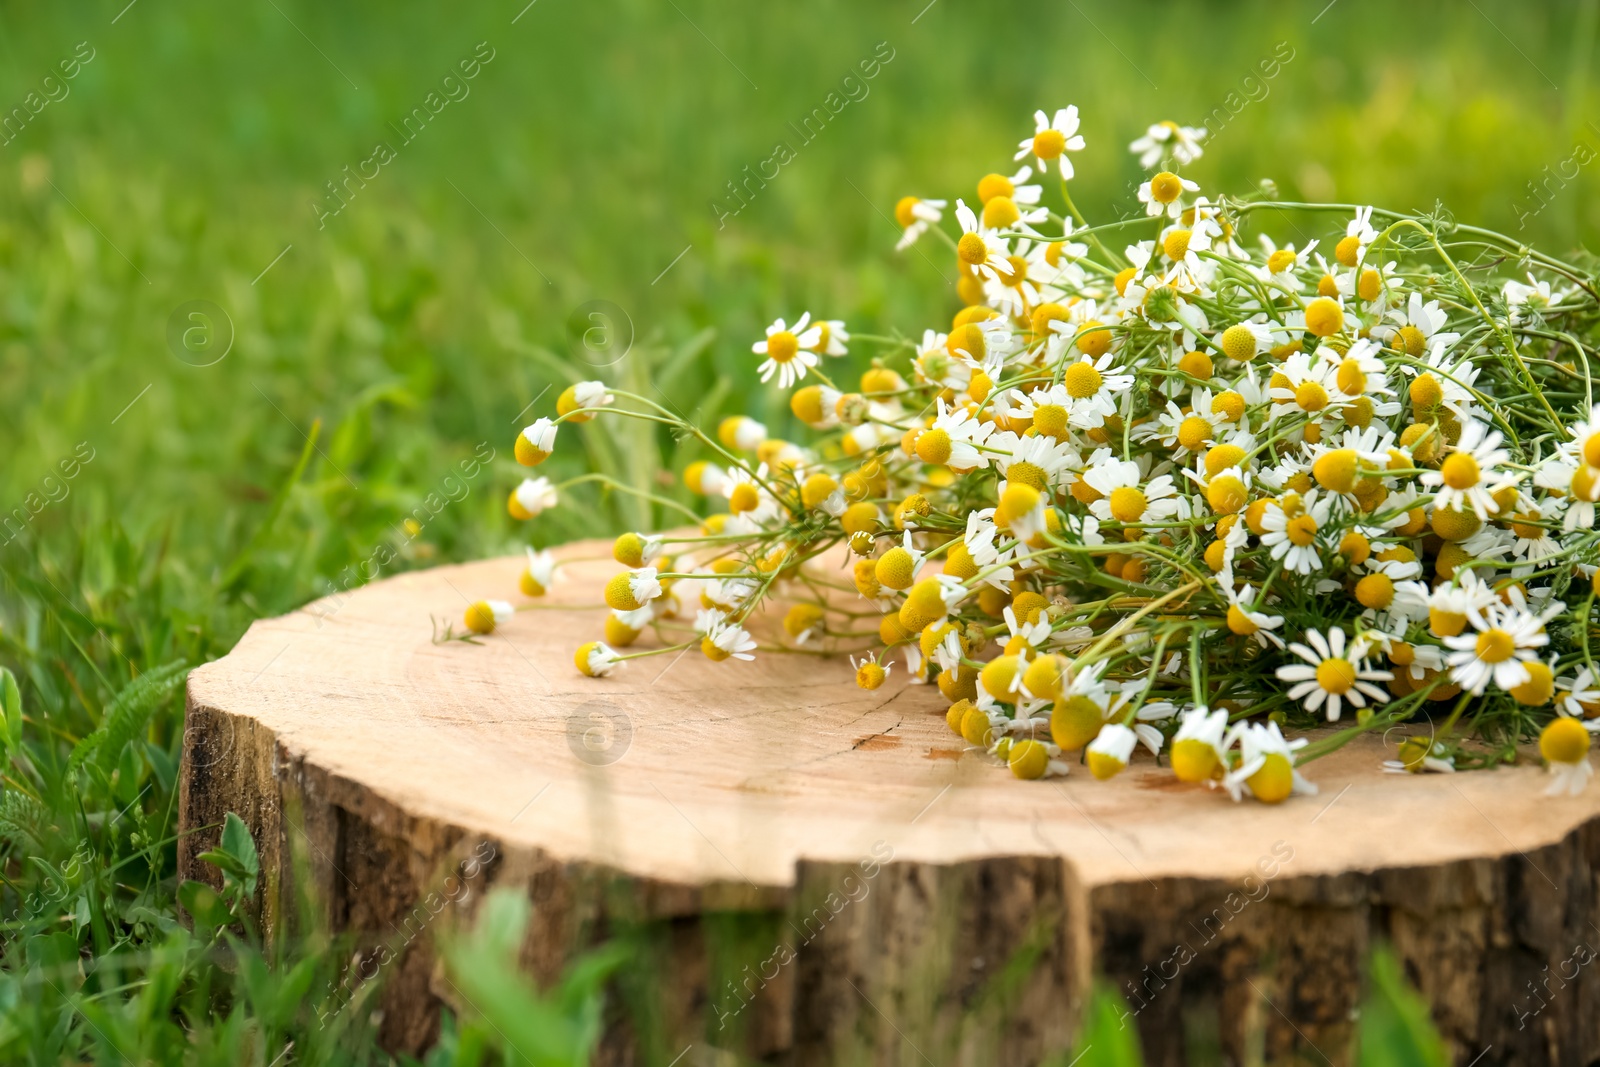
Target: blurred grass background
pixel 410 331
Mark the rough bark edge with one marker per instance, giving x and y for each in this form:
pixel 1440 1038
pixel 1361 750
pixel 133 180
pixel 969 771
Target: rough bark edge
pixel 1484 939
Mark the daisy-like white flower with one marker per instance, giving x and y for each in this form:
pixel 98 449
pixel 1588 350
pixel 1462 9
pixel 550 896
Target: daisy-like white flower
pixel 1334 672
pixel 979 248
pixel 916 215
pixel 1163 194
pixel 483 616
pixel 530 497
pixel 575 401
pixel 722 639
pixel 1266 767
pixel 1584 444
pixel 1579 695
pixel 1108 754
pixel 1053 137
pixel 1199 749
pixel 1503 640
pixel 535 443
pixel 1564 744
pixel 631 590
pixel 596 659
pixel 789 350
pixel 1035 460
pixel 1416 327
pixel 1246 621
pixel 1527 301
pixel 1419 754
pixel 1292 530
pixel 1469 475
pixel 1283 264
pixel 540 573
pixel 1183 142
pixel 832 336
pixel 1126 498
pixel 953 440
pixel 1093 388
pixel 870 674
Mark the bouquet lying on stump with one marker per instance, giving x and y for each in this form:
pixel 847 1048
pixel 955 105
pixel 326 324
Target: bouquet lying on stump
pixel 1190 494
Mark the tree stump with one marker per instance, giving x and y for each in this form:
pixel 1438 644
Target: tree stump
pixel 821 874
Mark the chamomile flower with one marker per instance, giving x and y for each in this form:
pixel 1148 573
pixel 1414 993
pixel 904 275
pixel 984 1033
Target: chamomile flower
pixel 1503 640
pixel 1199 749
pixel 596 659
pixel 1579 695
pixel 832 336
pixel 1163 194
pixel 1266 768
pixel 1291 531
pixel 1470 473
pixel 955 440
pixel 530 497
pixel 1246 620
pixel 916 215
pixel 535 443
pixel 1054 136
pixel 723 639
pixel 1108 754
pixel 1564 744
pixel 576 402
pixel 1127 498
pixel 1164 138
pixel 481 617
pixel 539 575
pixel 1334 673
pixel 1093 387
pixel 789 350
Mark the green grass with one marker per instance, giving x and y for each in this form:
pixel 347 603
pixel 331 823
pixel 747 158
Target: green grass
pixel 392 345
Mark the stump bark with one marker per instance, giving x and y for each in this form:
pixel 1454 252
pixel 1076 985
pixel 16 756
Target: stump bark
pixel 819 874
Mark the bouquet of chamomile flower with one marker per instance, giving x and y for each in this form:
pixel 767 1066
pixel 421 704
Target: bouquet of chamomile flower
pixel 1161 486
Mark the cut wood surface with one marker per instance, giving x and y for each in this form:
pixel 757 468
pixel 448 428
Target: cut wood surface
pixel 679 792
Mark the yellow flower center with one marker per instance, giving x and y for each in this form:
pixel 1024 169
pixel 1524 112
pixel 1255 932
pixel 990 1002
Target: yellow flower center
pixel 713 651
pixel 1050 420
pixel 1239 621
pixel 1370 285
pixel 1176 244
pixel 1327 285
pixel 1337 676
pixel 1324 317
pixel 894 569
pixel 933 446
pixel 1301 530
pixel 1193 760
pixel 782 346
pixel 1000 212
pixel 1103 765
pixel 993 185
pixel 1410 339
pixel 1273 783
pixel 1375 591
pixel 1239 343
pixel 1221 457
pixel 1049 144
pixel 869 675
pixel 1165 187
pixel 1311 396
pixel 1030 474
pixel 1226 495
pixel 1347 251
pixel 903 208
pixel 1495 645
pixel 1082 380
pixel 1564 741
pixel 1351 379
pixel 1127 504
pixel 1193 433
pixel 1280 261
pixel 1591 450
pixel 744 497
pixel 1459 470
pixel 971 249
pixel 1336 470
